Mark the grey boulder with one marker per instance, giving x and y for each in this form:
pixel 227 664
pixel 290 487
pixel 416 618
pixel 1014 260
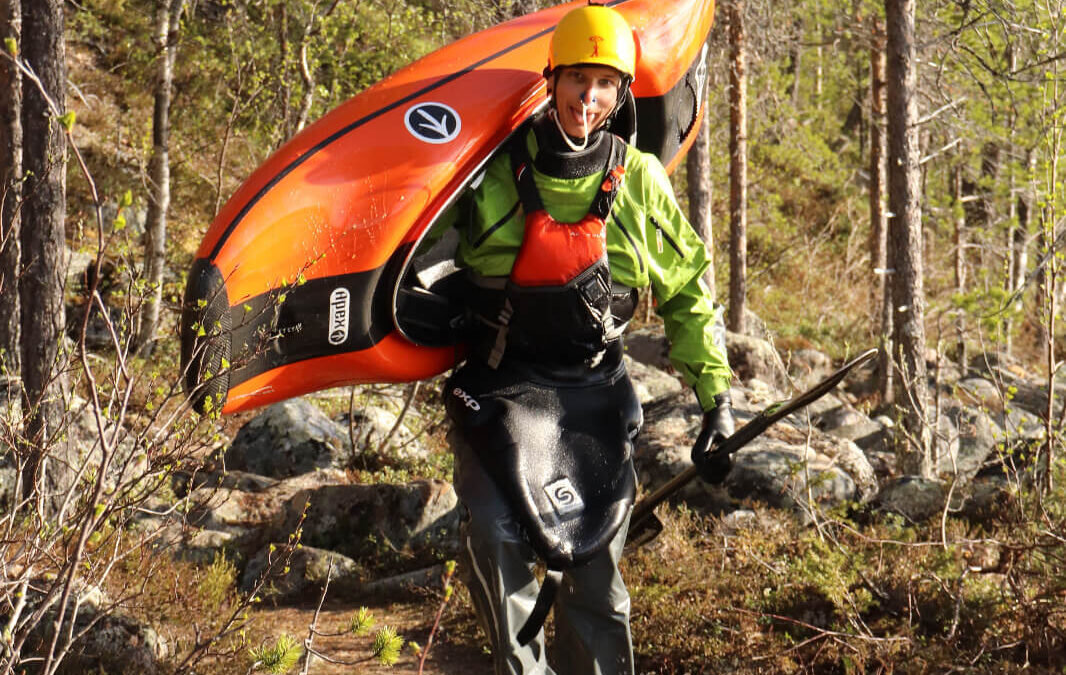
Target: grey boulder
pixel 787 468
pixel 406 524
pixel 913 498
pixel 299 575
pixel 651 383
pixel 287 439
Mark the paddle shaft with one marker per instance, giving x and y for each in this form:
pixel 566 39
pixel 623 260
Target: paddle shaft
pixel 645 508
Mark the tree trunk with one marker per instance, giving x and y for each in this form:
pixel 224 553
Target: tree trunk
pixel 795 60
pixel 308 80
pixel 738 169
pixel 818 73
pixel 168 15
pixel 1046 283
pixel 1025 205
pixel 1015 241
pixel 1049 301
pixel 42 238
pixel 1022 203
pixel 10 188
pixel 285 93
pixel 882 304
pixel 698 165
pixel 960 259
pixel 990 161
pixel 905 240
pixel 307 76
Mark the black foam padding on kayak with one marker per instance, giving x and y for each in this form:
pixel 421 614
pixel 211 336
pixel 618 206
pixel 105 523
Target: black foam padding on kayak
pixel 666 121
pixel 205 337
pixel 296 322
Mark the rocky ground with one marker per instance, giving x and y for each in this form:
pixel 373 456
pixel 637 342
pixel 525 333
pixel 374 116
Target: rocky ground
pixel 291 465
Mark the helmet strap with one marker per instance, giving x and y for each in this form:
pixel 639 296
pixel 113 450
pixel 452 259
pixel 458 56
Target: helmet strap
pixel 553 112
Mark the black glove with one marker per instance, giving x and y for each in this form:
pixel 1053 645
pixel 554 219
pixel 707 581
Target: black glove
pixel 718 425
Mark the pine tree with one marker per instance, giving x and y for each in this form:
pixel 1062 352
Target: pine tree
pixel 905 240
pixel 10 183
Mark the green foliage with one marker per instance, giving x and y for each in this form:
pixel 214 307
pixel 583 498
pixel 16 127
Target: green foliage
pixel 866 595
pixel 361 622
pixel 387 646
pixel 280 657
pixel 248 59
pixel 219 580
pixel 66 120
pixel 991 306
pixel 831 573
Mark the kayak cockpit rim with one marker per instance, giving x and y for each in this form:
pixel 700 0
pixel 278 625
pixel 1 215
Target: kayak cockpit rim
pixel 407 279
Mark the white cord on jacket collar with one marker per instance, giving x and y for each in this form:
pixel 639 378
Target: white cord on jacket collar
pixel 566 137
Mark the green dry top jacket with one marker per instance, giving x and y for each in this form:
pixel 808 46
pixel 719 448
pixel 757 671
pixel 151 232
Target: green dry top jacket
pixel 649 241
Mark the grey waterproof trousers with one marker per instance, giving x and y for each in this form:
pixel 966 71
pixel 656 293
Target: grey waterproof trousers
pixel 591 609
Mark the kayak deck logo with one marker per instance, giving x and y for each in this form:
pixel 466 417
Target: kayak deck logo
pixel 339 303
pixel 432 122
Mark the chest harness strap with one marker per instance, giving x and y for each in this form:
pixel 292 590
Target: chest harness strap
pixel 558 299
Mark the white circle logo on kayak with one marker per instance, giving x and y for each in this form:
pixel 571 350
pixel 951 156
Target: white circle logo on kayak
pixel 432 122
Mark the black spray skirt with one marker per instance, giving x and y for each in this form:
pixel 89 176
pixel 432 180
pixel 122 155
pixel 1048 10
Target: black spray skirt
pixel 559 443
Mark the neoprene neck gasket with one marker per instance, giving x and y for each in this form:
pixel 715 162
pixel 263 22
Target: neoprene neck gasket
pixel 558 161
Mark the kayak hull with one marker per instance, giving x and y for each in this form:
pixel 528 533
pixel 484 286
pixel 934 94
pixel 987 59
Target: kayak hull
pixel 293 288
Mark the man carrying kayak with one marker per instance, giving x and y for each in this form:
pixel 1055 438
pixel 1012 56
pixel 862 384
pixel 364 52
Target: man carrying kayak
pixel 556 237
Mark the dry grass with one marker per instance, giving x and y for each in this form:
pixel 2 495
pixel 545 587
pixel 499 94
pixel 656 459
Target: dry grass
pixel 774 597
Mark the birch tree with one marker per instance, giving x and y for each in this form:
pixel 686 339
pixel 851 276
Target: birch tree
pixel 168 17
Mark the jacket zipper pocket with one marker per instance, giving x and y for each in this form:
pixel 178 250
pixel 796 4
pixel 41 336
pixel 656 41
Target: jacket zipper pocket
pixel 632 243
pixel 660 234
pixel 497 225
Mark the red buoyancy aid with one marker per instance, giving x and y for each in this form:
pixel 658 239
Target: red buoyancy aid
pixel 558 295
pixel 554 253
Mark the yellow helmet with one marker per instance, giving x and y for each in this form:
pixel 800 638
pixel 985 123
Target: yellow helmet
pixel 594 35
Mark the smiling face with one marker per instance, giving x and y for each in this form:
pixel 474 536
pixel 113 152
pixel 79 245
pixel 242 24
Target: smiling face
pixel 597 86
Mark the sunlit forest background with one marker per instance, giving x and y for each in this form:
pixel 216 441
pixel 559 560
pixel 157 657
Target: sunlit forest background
pixel 842 590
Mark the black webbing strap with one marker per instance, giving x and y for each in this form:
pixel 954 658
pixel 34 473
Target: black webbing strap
pixel 522 168
pixel 545 600
pixel 612 176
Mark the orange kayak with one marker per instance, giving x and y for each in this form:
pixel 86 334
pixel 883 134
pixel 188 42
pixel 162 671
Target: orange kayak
pixel 296 283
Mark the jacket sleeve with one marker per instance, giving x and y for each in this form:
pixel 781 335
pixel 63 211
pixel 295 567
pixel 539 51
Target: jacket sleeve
pixel 697 349
pixel 677 260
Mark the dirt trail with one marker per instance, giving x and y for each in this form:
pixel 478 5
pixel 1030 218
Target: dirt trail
pixel 454 652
